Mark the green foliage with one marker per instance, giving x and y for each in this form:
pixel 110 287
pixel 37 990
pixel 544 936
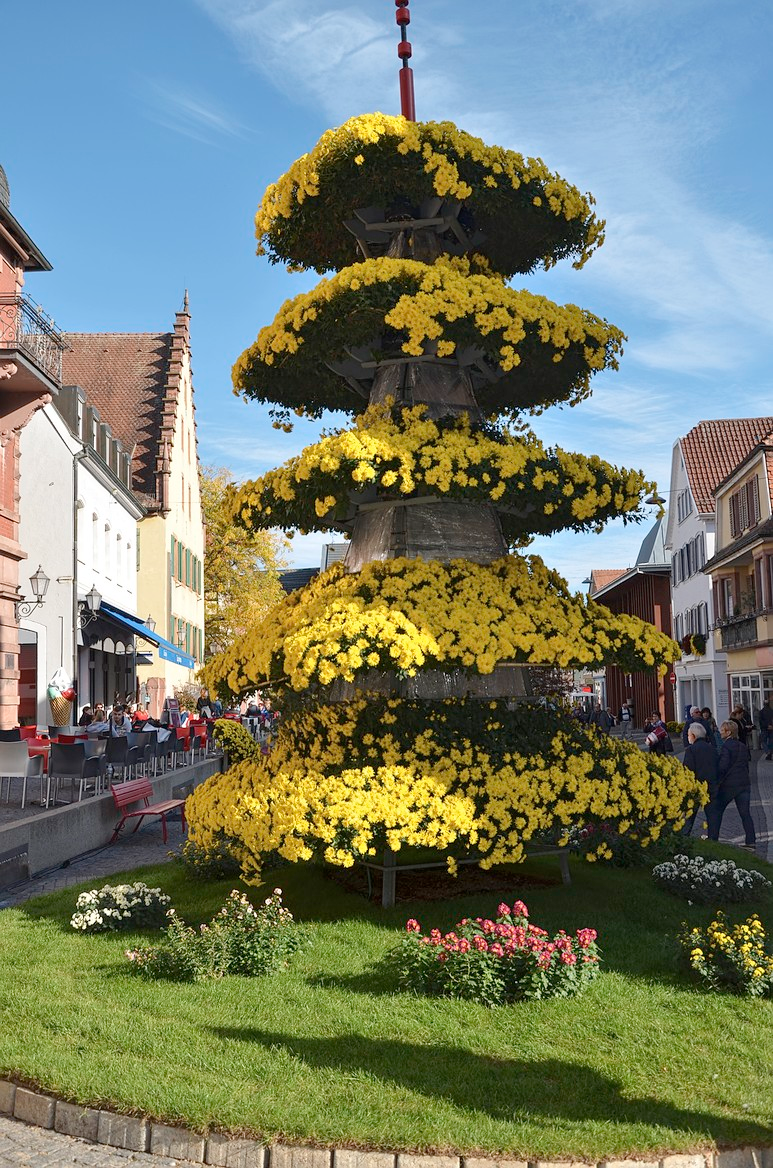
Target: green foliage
pixel 675 727
pixel 632 849
pixel 236 740
pixel 214 862
pixel 240 941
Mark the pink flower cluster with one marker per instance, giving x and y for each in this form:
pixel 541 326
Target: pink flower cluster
pixel 510 936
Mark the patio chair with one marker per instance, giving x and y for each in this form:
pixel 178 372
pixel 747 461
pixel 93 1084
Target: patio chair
pixel 69 761
pixel 116 755
pixel 16 763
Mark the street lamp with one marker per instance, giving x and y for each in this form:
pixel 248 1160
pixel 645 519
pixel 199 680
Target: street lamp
pixel 655 499
pixel 89 607
pixel 150 624
pixel 39 583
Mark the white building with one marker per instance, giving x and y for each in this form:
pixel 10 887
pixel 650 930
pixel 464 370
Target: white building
pixel 79 520
pixel 699 462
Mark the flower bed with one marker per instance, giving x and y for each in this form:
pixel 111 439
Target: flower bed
pixel 730 957
pixel 496 961
pixel 709 881
pixel 541 352
pixel 119 906
pixel 375 158
pixel 406 452
pixel 240 940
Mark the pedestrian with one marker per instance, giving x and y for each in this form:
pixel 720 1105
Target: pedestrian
pixel 741 721
pixel 713 735
pixel 657 737
pixel 695 715
pixel 766 727
pixel 734 785
pixel 204 704
pixel 625 718
pixel 601 719
pixel 700 758
pixel 87 716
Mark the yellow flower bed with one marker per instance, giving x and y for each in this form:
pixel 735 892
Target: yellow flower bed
pixel 345 779
pixel 405 453
pixel 409 614
pixel 544 352
pixel 376 160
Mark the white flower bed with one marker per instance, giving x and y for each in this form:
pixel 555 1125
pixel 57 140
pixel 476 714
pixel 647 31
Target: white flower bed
pixel 119 906
pixel 704 881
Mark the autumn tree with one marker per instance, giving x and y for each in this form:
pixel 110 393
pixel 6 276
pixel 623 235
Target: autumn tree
pixel 241 567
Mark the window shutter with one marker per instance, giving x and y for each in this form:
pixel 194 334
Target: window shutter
pixel 753 501
pixel 735 516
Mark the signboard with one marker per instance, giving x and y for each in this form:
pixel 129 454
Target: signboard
pixel 672 678
pixel 172 706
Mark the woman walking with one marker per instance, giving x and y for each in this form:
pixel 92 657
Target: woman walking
pixel 735 784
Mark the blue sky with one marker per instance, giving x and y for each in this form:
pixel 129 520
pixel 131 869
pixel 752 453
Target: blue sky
pixel 142 135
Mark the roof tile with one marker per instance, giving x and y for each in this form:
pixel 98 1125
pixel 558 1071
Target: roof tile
pixel 712 450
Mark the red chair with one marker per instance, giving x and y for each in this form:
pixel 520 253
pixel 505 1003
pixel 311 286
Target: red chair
pixel 26 732
pixel 66 739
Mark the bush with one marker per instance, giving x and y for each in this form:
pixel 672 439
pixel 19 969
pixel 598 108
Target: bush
pixel 120 906
pixel 730 958
pixel 709 881
pixel 494 962
pixel 675 727
pixel 240 940
pixel 236 740
pixel 213 861
pixel 602 842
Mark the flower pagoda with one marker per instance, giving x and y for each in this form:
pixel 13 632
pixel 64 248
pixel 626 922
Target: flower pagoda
pixel 404 671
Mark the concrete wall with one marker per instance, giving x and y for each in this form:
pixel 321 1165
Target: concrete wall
pixel 52 837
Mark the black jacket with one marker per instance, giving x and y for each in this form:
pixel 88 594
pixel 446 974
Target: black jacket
pixel 701 758
pixel 766 717
pixel 733 767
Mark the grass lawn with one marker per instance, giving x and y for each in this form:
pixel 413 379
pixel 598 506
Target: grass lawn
pixel 329 1052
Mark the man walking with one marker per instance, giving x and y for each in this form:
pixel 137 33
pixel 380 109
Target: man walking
pixel 766 727
pixel 625 718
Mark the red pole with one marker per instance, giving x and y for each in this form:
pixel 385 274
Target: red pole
pixel 405 52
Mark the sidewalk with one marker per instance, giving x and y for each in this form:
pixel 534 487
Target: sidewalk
pixel 131 850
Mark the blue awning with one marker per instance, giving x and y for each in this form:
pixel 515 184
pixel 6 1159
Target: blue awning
pixel 166 650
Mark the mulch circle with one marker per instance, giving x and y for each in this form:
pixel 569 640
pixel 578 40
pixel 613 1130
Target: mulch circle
pixel 438 884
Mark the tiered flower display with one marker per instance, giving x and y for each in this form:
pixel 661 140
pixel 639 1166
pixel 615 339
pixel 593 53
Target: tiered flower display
pixel 403 670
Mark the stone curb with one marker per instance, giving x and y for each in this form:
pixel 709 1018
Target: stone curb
pixel 137 1134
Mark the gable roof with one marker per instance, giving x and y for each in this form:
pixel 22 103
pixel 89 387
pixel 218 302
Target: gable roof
pixel 713 449
pixel 133 381
pixel 600 577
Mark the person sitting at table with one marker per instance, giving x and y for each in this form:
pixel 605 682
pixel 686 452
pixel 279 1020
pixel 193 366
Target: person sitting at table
pixel 120 722
pixel 87 716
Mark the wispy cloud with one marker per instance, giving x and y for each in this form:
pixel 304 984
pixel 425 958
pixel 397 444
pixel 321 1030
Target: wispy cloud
pixel 195 116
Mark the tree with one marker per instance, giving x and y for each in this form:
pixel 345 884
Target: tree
pixel 241 566
pixel 409 722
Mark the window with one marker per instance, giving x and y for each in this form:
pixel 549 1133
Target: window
pixel 173 559
pixel 683 505
pixel 108 541
pixel 745 507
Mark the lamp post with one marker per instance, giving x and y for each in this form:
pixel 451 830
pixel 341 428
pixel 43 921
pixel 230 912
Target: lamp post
pixel 150 623
pixel 39 583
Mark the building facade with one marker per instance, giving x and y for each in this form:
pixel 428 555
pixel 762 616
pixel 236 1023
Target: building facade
pixel 699 462
pixel 30 375
pixel 141 384
pixel 643 591
pixel 741 573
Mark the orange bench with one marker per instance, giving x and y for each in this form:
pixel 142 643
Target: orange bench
pixel 124 794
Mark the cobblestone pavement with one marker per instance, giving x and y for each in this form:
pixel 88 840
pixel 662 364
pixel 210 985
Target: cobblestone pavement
pixel 22 1146
pixel 131 850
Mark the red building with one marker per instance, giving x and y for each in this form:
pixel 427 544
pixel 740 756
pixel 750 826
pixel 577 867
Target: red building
pixel 30 373
pixel 644 591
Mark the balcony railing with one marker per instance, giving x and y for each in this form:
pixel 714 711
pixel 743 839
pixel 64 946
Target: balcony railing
pixel 25 327
pixel 738 631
